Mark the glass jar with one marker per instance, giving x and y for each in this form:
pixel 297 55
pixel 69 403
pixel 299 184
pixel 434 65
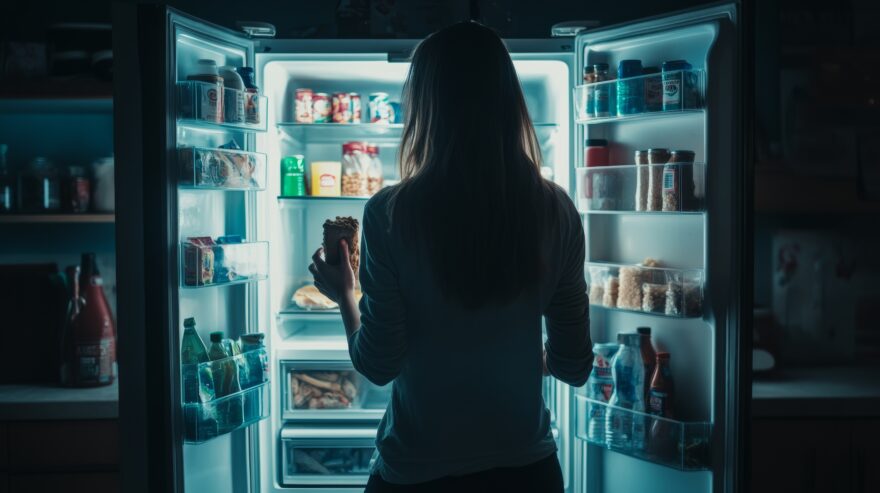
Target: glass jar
pixel 77 190
pixel 39 187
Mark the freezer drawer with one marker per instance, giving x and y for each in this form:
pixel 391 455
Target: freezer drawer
pixel 326 457
pixel 332 391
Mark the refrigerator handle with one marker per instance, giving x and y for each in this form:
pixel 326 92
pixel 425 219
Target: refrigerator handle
pixel 256 29
pixel 570 29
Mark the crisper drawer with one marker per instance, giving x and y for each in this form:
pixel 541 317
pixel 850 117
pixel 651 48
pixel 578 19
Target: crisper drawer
pixel 330 390
pixel 326 456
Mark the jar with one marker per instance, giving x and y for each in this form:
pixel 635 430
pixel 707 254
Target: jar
pixel 374 173
pixel 656 159
pixel 39 187
pixel 598 186
pixel 103 188
pixel 355 170
pixel 589 103
pixel 630 88
pixel 653 89
pixel 602 92
pixel 680 87
pixel 678 182
pixel 595 152
pixel 77 190
pixel 642 172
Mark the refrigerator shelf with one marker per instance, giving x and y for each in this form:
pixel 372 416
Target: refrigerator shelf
pixel 317 198
pixel 246 407
pixel 327 457
pixel 650 290
pixel 328 133
pixel 330 391
pixel 224 264
pixel 671 188
pixel 639 116
pixel 198 108
pixel 689 98
pixel 293 310
pixel 682 445
pixel 204 168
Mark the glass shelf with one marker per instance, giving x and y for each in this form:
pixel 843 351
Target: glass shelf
pixel 207 264
pixel 221 169
pixel 648 189
pixel 321 457
pixel 599 102
pixel 340 132
pixel 330 391
pixel 201 106
pixel 650 290
pixel 677 444
pixel 318 198
pixel 207 420
pixel 293 310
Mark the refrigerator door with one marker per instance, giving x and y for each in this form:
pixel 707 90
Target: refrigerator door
pixel 170 132
pixel 666 246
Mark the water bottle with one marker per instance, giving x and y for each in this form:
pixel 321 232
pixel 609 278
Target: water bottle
pixel 599 388
pixel 625 431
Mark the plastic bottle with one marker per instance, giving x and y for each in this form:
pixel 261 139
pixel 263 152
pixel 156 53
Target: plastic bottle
pixel 660 403
pixel 198 384
pixel 625 430
pixel 226 383
pixel 630 88
pixel 600 386
pixel 252 95
pixel 233 94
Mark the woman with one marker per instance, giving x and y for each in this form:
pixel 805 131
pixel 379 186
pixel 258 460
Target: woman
pixel 460 262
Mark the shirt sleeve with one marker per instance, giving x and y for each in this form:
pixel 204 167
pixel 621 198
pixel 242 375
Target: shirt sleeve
pixel 568 346
pixel 378 348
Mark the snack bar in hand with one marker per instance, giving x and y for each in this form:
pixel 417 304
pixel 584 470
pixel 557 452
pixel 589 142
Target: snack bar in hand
pixel 342 228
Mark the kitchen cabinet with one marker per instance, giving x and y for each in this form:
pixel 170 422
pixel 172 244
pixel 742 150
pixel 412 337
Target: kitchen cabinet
pixel 866 451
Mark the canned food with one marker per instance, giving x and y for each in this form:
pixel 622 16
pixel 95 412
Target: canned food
pixel 653 89
pixel 395 115
pixel 680 87
pixel 303 109
pixel 355 107
pixel 380 110
pixel 321 108
pixel 341 107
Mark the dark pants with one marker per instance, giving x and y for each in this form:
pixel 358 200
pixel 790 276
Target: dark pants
pixel 544 476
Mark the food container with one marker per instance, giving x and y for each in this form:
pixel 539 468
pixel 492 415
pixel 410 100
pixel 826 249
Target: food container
pixel 321 457
pixel 678 182
pixel 642 177
pixel 341 107
pixel 656 159
pixel 330 390
pixel 355 170
pixel 321 109
pixel 303 106
pixel 326 178
pixel 630 88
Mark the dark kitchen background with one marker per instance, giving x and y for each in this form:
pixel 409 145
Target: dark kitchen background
pixel 816 157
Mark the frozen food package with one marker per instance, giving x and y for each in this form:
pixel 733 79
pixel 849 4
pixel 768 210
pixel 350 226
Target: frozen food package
pixel 322 389
pixel 684 299
pixel 342 228
pixel 630 292
pixel 612 286
pixel 653 297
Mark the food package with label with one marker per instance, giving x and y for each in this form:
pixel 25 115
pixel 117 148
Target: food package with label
pixel 198 261
pixel 218 168
pixel 326 181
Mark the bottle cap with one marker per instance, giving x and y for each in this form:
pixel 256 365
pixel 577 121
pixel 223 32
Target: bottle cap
pixel 207 66
pixel 189 322
pixel 595 142
pixel 216 336
pixel 644 330
pixel 256 337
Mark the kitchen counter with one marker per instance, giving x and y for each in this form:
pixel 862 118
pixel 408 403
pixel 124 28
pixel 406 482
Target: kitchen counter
pixel 818 392
pixel 45 402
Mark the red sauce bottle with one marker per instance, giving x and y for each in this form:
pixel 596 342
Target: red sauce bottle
pixel 90 352
pixel 663 435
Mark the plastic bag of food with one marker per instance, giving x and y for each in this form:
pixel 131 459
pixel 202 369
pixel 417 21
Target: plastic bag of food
pixel 356 166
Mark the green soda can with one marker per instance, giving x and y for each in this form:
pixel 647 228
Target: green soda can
pixel 293 178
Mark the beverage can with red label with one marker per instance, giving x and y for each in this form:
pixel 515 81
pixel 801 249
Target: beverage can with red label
pixel 356 108
pixel 321 107
pixel 303 109
pixel 341 107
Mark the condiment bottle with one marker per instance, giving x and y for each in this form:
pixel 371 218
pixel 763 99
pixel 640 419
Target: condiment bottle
pixel 252 95
pixel 207 97
pixel 649 356
pixel 233 94
pixel 92 349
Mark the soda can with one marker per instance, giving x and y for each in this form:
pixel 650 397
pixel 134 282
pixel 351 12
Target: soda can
pixel 355 107
pixel 341 107
pixel 380 110
pixel 303 109
pixel 394 113
pixel 321 108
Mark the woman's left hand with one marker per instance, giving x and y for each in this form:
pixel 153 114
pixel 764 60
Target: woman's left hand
pixel 335 281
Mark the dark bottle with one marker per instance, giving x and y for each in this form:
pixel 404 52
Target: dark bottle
pixel 91 348
pixel 77 190
pixel 39 188
pixel 663 434
pixel 75 305
pixel 649 356
pixel 7 183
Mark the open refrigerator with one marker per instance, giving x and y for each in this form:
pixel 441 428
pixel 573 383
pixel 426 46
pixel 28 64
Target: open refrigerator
pixel 309 425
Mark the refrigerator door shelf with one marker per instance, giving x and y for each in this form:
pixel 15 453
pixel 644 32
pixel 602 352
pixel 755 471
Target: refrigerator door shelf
pixel 343 200
pixel 673 188
pixel 330 133
pixel 677 444
pixel 205 421
pixel 650 290
pixel 330 391
pixel 326 457
pixel 224 264
pixel 200 105
pixel 221 169
pixel 671 93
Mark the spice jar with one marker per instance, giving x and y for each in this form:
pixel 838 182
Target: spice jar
pixel 656 159
pixel 77 190
pixel 678 182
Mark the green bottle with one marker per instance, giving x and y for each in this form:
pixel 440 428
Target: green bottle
pixel 226 384
pixel 293 178
pixel 198 385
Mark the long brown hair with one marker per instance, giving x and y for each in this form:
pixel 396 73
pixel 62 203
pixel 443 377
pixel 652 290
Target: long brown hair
pixel 471 195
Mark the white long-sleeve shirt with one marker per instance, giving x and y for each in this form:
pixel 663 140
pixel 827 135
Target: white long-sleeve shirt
pixel 466 392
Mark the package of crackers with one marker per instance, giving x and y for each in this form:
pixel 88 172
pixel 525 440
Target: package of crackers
pixel 342 228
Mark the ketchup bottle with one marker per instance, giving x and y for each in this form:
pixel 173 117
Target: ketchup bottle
pixel 90 353
pixel 663 433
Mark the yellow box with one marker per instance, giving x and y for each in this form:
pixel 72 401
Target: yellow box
pixel 326 178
